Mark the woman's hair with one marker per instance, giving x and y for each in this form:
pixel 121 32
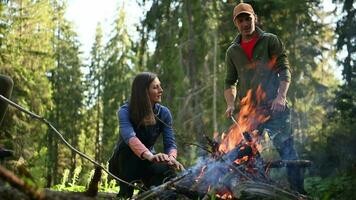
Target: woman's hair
pixel 141 112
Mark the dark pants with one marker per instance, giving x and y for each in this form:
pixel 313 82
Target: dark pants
pixel 279 129
pixel 6 85
pixel 127 166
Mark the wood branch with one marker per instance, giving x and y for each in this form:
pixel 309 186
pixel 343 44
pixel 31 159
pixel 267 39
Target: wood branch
pixel 92 190
pixel 200 146
pixel 21 185
pixel 159 189
pixel 289 163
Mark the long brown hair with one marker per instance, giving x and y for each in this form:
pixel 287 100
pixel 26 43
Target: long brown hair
pixel 141 112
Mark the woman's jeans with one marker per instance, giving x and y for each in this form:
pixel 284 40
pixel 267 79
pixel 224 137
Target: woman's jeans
pixel 129 167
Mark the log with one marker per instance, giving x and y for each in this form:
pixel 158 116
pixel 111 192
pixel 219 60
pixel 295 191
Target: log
pixel 288 163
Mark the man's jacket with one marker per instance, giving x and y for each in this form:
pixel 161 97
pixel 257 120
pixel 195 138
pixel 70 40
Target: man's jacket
pixel 269 66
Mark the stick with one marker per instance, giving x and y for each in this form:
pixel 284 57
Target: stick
pixel 92 190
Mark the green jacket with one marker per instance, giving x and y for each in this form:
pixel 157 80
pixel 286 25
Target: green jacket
pixel 267 68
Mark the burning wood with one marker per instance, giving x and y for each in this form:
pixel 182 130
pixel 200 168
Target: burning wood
pixel 235 167
pixel 237 174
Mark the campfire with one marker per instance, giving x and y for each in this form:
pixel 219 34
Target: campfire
pixel 234 169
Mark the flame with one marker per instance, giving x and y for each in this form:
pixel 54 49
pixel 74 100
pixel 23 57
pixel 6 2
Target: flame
pixel 226 195
pixel 201 174
pixel 248 119
pixel 241 160
pixel 243 135
pixel 209 188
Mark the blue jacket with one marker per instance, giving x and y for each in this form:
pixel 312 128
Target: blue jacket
pixel 147 134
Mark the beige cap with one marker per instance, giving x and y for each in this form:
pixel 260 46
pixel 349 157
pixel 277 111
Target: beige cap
pixel 242 8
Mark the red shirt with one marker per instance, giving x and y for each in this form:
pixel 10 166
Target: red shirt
pixel 248 46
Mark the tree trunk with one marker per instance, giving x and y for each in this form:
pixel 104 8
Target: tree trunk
pixel 197 122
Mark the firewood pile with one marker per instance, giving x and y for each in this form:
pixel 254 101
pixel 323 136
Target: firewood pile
pixel 239 174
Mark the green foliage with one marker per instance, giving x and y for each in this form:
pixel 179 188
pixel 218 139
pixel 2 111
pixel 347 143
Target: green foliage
pixel 75 177
pixel 335 187
pixel 26 57
pixel 61 186
pixel 74 186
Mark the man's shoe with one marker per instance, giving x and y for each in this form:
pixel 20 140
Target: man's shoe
pixel 4 153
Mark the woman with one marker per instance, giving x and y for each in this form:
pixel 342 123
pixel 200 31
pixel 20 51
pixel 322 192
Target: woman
pixel 141 121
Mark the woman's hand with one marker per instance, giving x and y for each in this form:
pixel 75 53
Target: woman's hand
pixel 177 165
pixel 160 157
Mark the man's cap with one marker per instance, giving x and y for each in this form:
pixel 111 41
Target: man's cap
pixel 242 8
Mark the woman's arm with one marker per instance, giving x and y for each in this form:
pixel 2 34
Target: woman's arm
pixel 128 134
pixel 169 142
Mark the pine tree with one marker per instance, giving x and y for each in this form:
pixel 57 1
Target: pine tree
pixel 68 90
pixel 95 90
pixel 117 73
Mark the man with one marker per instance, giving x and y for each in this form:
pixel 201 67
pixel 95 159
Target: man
pixel 254 59
pixel 6 85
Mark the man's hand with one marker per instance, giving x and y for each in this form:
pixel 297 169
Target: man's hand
pixel 229 111
pixel 230 95
pixel 278 104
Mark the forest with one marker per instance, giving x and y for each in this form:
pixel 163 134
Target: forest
pixel 184 42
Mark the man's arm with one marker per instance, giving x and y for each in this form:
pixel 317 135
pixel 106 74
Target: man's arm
pixel 230 96
pixel 279 103
pixel 282 67
pixel 231 77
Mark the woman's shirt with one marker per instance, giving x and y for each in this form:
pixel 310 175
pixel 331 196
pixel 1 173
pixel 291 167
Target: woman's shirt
pixel 143 138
